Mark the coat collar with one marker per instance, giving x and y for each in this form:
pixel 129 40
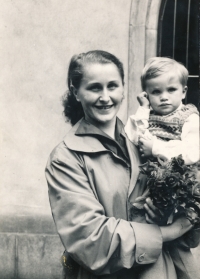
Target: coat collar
pixel 85 128
pixel 82 137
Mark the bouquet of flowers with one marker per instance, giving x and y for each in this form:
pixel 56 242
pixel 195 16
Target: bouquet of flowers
pixel 174 189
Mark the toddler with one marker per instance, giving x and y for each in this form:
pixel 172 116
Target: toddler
pixel 164 127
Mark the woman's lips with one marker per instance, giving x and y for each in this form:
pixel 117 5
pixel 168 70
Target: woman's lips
pixel 104 107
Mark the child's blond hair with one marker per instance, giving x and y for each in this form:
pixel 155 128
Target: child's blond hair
pixel 157 66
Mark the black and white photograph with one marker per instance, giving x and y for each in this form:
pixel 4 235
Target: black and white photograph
pixel 99 139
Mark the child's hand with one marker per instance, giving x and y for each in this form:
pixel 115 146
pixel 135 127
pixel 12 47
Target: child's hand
pixel 146 145
pixel 143 100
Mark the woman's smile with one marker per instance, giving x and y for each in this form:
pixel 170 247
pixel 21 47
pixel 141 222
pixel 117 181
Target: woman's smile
pixel 104 108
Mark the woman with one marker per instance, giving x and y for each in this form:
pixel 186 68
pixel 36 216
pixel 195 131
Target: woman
pixel 93 177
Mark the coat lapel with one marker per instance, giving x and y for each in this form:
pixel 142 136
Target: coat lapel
pixel 77 141
pixel 135 162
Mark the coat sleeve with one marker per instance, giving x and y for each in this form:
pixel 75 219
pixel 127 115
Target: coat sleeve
pixel 99 243
pixel 188 146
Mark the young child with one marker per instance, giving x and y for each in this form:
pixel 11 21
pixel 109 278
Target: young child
pixel 163 127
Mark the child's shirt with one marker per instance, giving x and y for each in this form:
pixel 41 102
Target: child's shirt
pixel 173 134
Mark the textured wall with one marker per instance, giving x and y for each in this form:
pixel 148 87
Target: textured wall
pixel 37 40
pixel 142 43
pixel 38 37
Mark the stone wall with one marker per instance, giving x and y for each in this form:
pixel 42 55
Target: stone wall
pixel 38 37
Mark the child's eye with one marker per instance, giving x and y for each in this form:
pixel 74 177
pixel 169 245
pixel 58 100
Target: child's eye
pixel 155 92
pixel 172 89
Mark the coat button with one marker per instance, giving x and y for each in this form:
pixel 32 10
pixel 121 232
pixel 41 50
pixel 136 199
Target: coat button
pixel 141 257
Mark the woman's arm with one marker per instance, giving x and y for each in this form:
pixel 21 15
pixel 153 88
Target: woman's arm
pixel 99 243
pixel 171 232
pixel 178 228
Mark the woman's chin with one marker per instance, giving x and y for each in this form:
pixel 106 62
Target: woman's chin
pixel 102 119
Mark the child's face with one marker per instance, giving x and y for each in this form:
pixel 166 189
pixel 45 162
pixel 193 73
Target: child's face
pixel 100 93
pixel 165 93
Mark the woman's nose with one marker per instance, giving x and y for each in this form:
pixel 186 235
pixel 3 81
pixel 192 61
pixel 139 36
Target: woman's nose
pixel 105 97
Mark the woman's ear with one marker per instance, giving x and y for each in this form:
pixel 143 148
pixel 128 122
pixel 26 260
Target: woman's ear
pixel 184 92
pixel 123 96
pixel 75 92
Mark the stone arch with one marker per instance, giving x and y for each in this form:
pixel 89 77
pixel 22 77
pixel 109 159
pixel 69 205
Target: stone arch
pixel 143 29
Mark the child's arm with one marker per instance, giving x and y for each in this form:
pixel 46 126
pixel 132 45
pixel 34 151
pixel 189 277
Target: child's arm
pixel 143 100
pixel 138 123
pixel 188 146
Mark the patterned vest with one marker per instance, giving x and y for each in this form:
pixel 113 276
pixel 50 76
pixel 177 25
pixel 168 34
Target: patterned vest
pixel 169 127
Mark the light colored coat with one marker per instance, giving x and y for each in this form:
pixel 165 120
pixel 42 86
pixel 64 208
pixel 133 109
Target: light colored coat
pixel 90 190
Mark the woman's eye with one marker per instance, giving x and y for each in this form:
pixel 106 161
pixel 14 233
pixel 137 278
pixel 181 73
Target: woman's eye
pixel 94 88
pixel 112 86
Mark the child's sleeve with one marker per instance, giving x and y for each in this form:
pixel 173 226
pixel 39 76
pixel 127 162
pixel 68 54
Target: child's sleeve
pixel 188 146
pixel 137 124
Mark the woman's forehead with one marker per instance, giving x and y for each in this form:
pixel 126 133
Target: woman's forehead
pixel 98 71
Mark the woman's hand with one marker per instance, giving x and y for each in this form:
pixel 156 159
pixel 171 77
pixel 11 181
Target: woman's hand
pixel 143 99
pixel 153 214
pixel 176 229
pixel 171 232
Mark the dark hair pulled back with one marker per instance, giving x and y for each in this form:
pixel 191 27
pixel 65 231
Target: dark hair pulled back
pixel 73 110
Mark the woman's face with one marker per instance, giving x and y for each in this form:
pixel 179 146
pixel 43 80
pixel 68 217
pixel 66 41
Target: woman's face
pixel 100 93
